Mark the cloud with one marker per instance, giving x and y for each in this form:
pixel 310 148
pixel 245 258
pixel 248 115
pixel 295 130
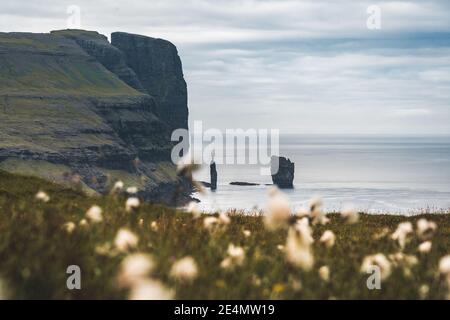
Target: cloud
pixel 301 66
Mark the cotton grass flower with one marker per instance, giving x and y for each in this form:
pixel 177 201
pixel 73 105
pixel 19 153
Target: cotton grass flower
pixel 324 273
pixel 135 268
pixel 444 269
pixel 83 223
pixel 404 261
pixel 378 260
pixel 425 247
pixel 132 190
pixel 154 226
pixel 193 209
pixel 425 228
pixel 278 211
pixel 69 227
pixel 423 291
pixel 118 186
pixel 94 214
pixel 105 249
pixel 42 196
pixel 400 235
pixel 224 219
pixel 235 257
pixel 209 223
pixel 150 289
pixel 132 204
pixel 328 238
pixel 350 214
pixel 316 211
pixel 184 269
pixel 125 240
pixel 298 245
pixel 247 233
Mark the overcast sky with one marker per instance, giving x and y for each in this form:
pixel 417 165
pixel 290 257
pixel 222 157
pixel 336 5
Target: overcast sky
pixel 300 66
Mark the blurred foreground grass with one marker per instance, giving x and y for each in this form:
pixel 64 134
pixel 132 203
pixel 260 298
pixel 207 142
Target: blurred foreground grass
pixel 35 251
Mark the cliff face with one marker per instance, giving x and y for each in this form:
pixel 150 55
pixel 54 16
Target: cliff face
pixel 70 106
pixel 158 68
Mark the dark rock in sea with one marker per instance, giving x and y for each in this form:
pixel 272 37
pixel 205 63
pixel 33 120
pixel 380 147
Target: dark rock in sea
pixel 244 184
pixel 75 105
pixel 213 175
pixel 282 172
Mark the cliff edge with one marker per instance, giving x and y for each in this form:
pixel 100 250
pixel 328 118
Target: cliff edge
pixel 74 108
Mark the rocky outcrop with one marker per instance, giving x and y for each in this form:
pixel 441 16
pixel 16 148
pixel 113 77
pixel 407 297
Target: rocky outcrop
pixel 213 175
pixel 97 46
pixel 159 70
pixel 282 172
pixel 70 105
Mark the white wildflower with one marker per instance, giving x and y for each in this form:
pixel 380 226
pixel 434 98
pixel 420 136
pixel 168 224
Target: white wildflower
pixel 210 222
pixel 404 261
pixel 125 240
pixel 350 214
pixel 298 245
pixel 278 211
pixel 324 273
pixel 154 226
pixel 42 196
pixel 104 249
pixel 135 268
pixel 379 260
pixel 247 233
pixel 69 227
pixel 184 269
pixel 381 234
pixel 316 211
pixel 235 257
pixel 150 290
pixel 401 234
pixel 118 186
pixel 425 247
pixel 444 269
pixel 423 291
pixel 132 204
pixel 425 228
pixel 83 223
pixel 224 219
pixel 194 210
pixel 94 214
pixel 328 238
pixel 132 190
pixel 302 212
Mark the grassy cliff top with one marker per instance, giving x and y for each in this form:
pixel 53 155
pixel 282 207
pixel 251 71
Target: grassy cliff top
pixel 52 64
pixel 36 249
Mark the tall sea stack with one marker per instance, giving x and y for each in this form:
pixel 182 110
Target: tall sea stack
pixel 213 174
pixel 282 172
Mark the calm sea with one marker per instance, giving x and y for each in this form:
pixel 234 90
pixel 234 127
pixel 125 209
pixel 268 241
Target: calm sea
pixel 376 174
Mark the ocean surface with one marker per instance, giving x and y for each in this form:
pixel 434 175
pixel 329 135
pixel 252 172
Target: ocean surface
pixel 376 174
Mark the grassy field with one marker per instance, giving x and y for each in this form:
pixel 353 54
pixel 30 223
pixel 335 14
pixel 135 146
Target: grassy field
pixel 36 248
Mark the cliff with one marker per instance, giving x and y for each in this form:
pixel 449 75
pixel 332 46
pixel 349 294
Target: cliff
pixel 72 108
pixel 158 68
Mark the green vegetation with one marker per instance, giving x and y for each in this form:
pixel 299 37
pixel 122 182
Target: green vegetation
pixel 35 251
pixel 48 64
